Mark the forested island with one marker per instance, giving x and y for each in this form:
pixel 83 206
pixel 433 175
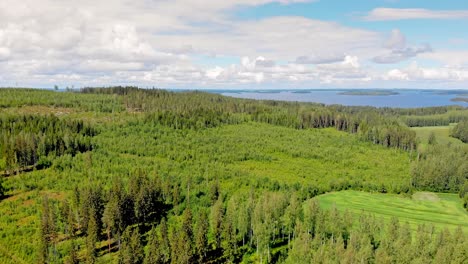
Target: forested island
pixel 130 175
pixel 460 99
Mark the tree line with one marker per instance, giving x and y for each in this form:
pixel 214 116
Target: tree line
pixel 196 110
pixel 460 131
pixel 27 140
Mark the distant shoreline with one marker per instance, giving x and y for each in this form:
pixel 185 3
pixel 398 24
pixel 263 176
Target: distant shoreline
pixel 369 93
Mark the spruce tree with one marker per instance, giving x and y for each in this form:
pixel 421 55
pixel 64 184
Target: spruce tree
pixel 201 236
pixel 153 254
pixel 91 240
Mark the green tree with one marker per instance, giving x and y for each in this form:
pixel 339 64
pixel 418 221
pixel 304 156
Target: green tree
pixel 118 212
pixel 301 250
pixel 91 239
pixel 182 240
pixel 153 254
pixel 46 231
pixel 187 225
pixel 201 236
pixel 132 249
pixel 291 216
pixel 164 245
pixel 217 212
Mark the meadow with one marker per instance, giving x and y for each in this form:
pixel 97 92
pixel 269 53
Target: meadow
pixel 442 134
pixel 442 210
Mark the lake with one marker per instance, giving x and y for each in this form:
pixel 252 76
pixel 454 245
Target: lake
pixel 395 98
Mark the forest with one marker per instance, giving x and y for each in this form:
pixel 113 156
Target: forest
pixel 131 175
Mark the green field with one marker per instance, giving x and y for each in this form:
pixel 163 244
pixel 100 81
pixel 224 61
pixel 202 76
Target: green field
pixel 440 209
pixel 442 134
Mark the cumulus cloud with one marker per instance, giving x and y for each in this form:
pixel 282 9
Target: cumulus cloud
pixel 386 14
pixel 396 74
pixel 166 43
pixel 135 39
pixel 399 50
pixel 414 72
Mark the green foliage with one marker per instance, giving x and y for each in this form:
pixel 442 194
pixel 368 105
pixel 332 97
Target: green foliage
pixel 460 131
pixel 132 248
pixel 441 168
pixel 195 177
pixel 28 139
pixel 442 136
pixel 451 116
pixel 17 98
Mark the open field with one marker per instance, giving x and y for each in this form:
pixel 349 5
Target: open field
pixel 442 134
pixel 440 209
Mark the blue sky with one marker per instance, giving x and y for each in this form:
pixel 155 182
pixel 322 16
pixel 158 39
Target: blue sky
pixel 235 43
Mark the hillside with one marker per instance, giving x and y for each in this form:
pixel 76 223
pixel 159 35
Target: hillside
pixel 126 174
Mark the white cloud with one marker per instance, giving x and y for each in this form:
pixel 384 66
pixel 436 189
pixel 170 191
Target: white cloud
pixel 452 58
pixel 168 42
pixel 141 38
pixel 395 74
pixel 4 53
pixel 386 14
pixel 214 72
pixel 414 72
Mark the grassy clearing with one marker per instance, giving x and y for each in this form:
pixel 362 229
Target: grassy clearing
pixel 440 209
pixel 442 134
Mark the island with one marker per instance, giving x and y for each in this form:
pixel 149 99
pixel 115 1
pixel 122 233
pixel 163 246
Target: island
pixel 460 99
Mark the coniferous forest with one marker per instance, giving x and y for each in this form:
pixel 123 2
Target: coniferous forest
pixel 129 175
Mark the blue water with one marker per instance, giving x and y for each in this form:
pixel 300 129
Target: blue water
pixel 404 98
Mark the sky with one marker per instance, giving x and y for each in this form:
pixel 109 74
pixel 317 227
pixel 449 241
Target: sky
pixel 234 44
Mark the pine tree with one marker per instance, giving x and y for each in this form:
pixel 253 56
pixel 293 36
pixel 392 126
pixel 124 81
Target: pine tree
pixel 44 236
pixel 187 225
pixel 217 212
pixel 137 247
pixel 91 239
pixel 125 252
pixel 164 244
pixel 201 236
pixel 153 254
